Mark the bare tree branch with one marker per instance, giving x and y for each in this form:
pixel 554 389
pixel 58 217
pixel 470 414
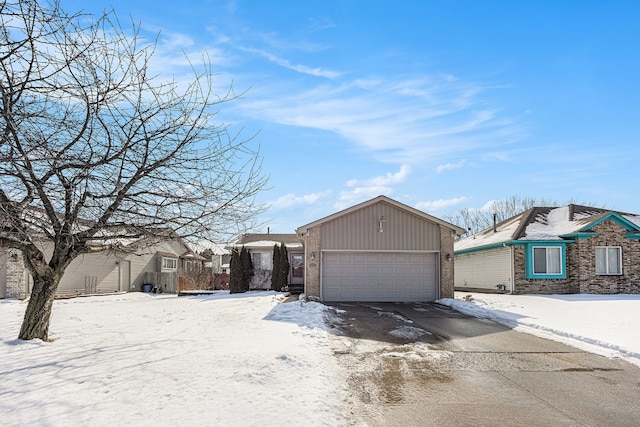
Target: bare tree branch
pixel 94 147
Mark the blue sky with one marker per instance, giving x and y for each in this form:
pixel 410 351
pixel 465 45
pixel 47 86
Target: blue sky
pixel 442 105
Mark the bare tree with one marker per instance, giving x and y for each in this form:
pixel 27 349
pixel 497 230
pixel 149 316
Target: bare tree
pixel 475 220
pixel 95 148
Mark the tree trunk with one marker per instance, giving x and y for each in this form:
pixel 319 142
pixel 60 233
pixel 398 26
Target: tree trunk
pixel 38 314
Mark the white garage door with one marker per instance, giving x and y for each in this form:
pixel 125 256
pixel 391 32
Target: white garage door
pixel 381 277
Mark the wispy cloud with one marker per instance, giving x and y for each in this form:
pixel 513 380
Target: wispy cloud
pixel 440 204
pixel 383 180
pixel 359 194
pixel 403 119
pixel 291 200
pixel 300 68
pixel 396 121
pixel 450 166
pixel 361 190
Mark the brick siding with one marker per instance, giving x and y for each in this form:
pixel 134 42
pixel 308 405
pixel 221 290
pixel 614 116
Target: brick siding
pixel 581 276
pixel 446 267
pixel 523 285
pixel 312 270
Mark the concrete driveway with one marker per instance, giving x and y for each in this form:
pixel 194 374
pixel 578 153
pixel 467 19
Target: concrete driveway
pixel 427 365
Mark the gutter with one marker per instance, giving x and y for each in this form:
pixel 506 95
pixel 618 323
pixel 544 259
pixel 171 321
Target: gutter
pixel 484 247
pixel 512 243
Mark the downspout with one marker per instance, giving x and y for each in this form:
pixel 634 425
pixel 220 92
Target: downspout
pixel 513 277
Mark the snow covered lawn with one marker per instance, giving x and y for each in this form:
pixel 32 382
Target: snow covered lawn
pixel 242 360
pixel 140 359
pixel 604 324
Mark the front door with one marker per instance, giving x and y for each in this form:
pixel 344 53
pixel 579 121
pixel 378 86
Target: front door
pixel 296 273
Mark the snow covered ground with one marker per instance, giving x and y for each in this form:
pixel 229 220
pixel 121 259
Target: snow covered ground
pixel 139 359
pixel 604 324
pixel 244 360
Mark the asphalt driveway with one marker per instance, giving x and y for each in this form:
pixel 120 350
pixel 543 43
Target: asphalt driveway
pixel 427 365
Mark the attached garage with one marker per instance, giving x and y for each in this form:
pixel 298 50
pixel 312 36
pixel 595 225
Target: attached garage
pixel 489 270
pixel 379 251
pixel 379 276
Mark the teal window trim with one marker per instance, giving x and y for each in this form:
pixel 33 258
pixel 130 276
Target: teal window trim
pixel 529 272
pixel 579 235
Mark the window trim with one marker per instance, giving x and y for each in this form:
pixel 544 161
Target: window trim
pixel 608 273
pixel 530 272
pixel 173 260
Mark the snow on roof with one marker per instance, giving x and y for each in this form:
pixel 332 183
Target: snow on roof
pixel 538 224
pixel 552 225
pixel 267 244
pixel 633 218
pixel 504 233
pixel 215 248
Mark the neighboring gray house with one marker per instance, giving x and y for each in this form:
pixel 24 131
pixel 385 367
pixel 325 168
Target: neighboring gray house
pixel 159 264
pixel 380 250
pixel 553 250
pixel 261 248
pixel 220 258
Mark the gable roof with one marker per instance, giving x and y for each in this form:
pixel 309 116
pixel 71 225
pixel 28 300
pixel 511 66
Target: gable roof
pixel 384 199
pixel 547 223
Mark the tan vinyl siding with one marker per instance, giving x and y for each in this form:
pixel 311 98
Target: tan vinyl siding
pixel 401 231
pixel 90 274
pixel 141 264
pixel 484 269
pixel 149 261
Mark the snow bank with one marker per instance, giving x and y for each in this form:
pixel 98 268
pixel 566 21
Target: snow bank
pixel 603 324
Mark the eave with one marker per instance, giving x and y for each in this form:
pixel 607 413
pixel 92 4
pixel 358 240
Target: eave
pixel 514 243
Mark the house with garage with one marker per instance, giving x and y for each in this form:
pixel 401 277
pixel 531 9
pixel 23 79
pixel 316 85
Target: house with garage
pixel 261 248
pixel 553 250
pixel 160 265
pixel 379 250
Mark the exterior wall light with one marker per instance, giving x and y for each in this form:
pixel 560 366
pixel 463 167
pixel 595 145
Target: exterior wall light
pixel 381 223
pixel 448 257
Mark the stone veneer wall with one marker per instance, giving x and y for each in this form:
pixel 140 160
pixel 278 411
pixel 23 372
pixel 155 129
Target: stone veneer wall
pixel 446 267
pixel 581 260
pixel 312 270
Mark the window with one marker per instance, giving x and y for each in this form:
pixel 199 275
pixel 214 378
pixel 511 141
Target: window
pixel 169 263
pixel 256 260
pixel 608 260
pixel 547 260
pixel 188 266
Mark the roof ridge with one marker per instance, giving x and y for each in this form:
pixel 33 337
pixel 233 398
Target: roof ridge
pixel 533 212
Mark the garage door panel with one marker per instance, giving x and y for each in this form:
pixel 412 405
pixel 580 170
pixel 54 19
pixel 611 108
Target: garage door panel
pixel 382 277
